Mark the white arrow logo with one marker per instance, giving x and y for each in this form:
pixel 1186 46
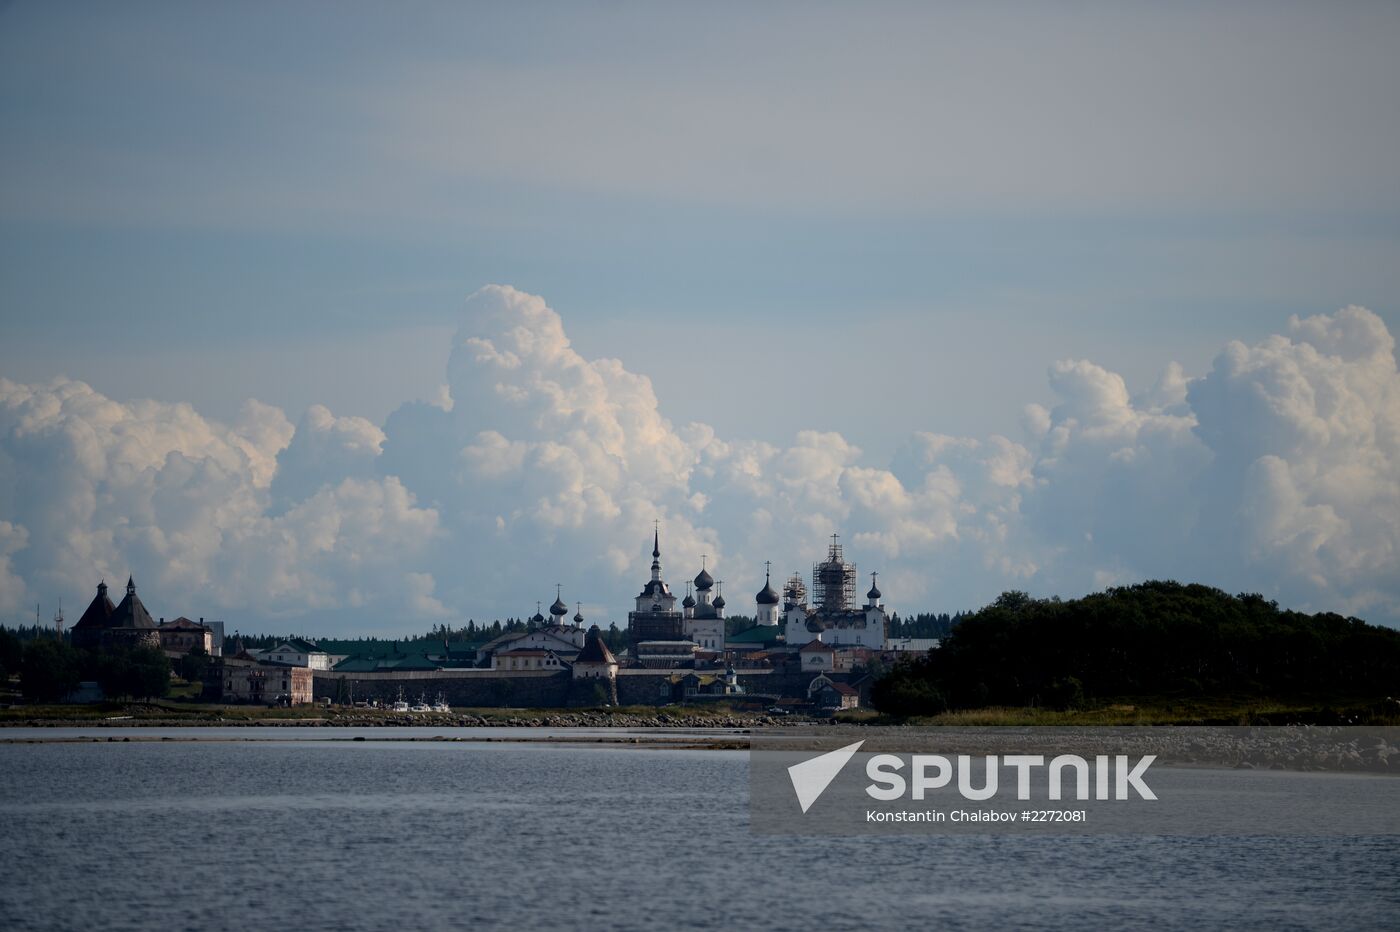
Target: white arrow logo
pixel 811 777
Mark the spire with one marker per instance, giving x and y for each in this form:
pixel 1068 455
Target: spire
pixel 656 551
pixel 130 586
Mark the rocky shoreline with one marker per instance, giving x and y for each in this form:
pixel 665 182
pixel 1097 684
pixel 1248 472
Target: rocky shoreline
pixel 360 719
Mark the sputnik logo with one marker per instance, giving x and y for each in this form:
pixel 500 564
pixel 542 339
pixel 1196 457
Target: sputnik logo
pixel 811 777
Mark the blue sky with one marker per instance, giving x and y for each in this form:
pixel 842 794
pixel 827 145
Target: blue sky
pixel 867 220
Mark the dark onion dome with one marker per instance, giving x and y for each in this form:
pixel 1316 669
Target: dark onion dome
pixel 704 582
pixel 559 608
pixel 719 601
pixel 873 594
pixel 766 595
pixel 538 618
pixel 578 618
pixel 688 601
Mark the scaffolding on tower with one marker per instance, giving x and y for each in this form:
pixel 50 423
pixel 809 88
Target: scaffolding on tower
pixel 834 581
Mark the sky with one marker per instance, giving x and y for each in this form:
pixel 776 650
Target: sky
pixel 354 318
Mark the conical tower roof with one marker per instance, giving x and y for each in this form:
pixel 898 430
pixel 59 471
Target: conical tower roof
pixel 594 649
pixel 131 613
pixel 98 614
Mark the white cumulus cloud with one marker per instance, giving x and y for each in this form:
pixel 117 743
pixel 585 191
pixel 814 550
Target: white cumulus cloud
pixel 1278 470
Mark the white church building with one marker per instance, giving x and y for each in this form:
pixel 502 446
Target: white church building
pixel 833 617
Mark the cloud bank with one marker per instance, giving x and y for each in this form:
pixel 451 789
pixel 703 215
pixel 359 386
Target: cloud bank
pixel 1276 471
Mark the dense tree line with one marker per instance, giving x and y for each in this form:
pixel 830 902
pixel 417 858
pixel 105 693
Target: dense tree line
pixel 735 624
pixel 50 669
pixel 1152 639
pixel 30 632
pixel 431 641
pixel 11 650
pixel 462 636
pixel 925 625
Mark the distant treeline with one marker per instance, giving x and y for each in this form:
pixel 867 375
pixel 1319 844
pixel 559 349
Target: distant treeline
pixel 460 637
pixel 431 641
pixel 925 625
pixel 31 632
pixel 1153 639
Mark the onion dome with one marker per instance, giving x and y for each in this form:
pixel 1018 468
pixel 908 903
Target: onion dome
pixel 704 582
pixel 766 595
pixel 688 601
pixel 558 609
pixel 874 593
pixel 578 616
pixel 719 601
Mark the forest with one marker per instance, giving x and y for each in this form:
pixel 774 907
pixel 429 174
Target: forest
pixel 1156 639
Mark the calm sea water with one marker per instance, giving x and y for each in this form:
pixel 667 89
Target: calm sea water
pixel 311 834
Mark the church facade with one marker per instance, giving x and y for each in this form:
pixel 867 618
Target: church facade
pixel 830 617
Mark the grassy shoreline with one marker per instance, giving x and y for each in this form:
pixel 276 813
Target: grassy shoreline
pixel 1219 710
pixel 165 713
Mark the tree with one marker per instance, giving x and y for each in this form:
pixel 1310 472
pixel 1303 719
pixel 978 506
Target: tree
pixel 1154 639
pixel 150 673
pixel 904 696
pixel 49 671
pixel 112 671
pixel 194 665
pixel 140 673
pixel 599 696
pixel 11 653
